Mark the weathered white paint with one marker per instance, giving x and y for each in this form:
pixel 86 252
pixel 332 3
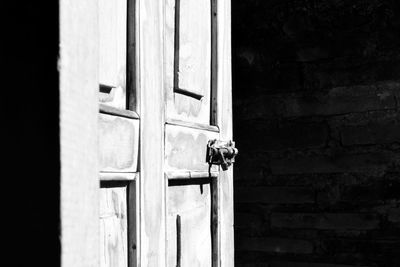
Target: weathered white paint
pixel 224 121
pixel 187 59
pixel 78 68
pixel 113 227
pixel 221 116
pixel 150 84
pixel 193 204
pixel 112 51
pixel 79 130
pixel 185 148
pixel 194 48
pixel 118 143
pixel 117 176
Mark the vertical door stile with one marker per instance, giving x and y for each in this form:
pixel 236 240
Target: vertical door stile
pixel 224 115
pixel 152 184
pixel 78 93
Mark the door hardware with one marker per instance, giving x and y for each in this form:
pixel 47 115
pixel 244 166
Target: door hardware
pixel 221 153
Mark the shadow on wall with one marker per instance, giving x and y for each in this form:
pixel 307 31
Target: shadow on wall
pixel 316 87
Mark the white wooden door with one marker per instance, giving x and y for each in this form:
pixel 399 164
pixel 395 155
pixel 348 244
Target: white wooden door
pixel 193 100
pixel 185 100
pixel 160 203
pixel 190 202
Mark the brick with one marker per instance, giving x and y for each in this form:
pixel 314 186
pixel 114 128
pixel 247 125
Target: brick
pixel 293 135
pixel 370 134
pixel 338 100
pixel 331 74
pixel 275 245
pixel 394 215
pixel 312 54
pixel 290 195
pixel 297 135
pixel 355 163
pixel 358 193
pixel 342 100
pixel 247 220
pixel 325 221
pixel 307 264
pixel 378 247
pixel 353 195
pixel 262 106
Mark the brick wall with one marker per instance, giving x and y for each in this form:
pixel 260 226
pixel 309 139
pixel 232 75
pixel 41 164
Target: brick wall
pixel 317 122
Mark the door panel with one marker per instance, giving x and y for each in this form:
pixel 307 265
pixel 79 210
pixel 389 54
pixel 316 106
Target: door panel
pixel 113 227
pixel 185 149
pixel 118 143
pixel 188 223
pixel 188 59
pixel 112 52
pixel 193 47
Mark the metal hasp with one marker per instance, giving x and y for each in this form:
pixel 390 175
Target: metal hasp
pixel 221 153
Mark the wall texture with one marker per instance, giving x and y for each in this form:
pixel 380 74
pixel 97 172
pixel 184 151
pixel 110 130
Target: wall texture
pixel 317 122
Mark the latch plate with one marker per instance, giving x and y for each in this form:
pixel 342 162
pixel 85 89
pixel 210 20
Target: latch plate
pixel 221 153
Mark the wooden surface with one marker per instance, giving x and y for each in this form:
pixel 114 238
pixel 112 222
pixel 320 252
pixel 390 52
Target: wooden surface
pixel 190 174
pixel 214 62
pixel 132 66
pixel 185 148
pixel 117 176
pixel 188 59
pixel 103 108
pixel 193 47
pixel 118 144
pixel 151 181
pixel 193 204
pixel 215 226
pixel 185 108
pixel 112 51
pixel 113 227
pixel 78 68
pixel 169 57
pixel 193 125
pixel 156 46
pixel 224 121
pixel 133 215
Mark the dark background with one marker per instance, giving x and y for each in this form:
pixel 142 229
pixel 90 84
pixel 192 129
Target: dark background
pixel 30 164
pixel 316 91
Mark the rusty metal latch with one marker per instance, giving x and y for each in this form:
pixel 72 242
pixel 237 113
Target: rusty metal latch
pixel 221 153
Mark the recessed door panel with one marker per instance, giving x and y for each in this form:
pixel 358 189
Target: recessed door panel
pixel 188 225
pixel 113 227
pixel 112 52
pixel 193 47
pixel 185 149
pixel 118 143
pixel 188 59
